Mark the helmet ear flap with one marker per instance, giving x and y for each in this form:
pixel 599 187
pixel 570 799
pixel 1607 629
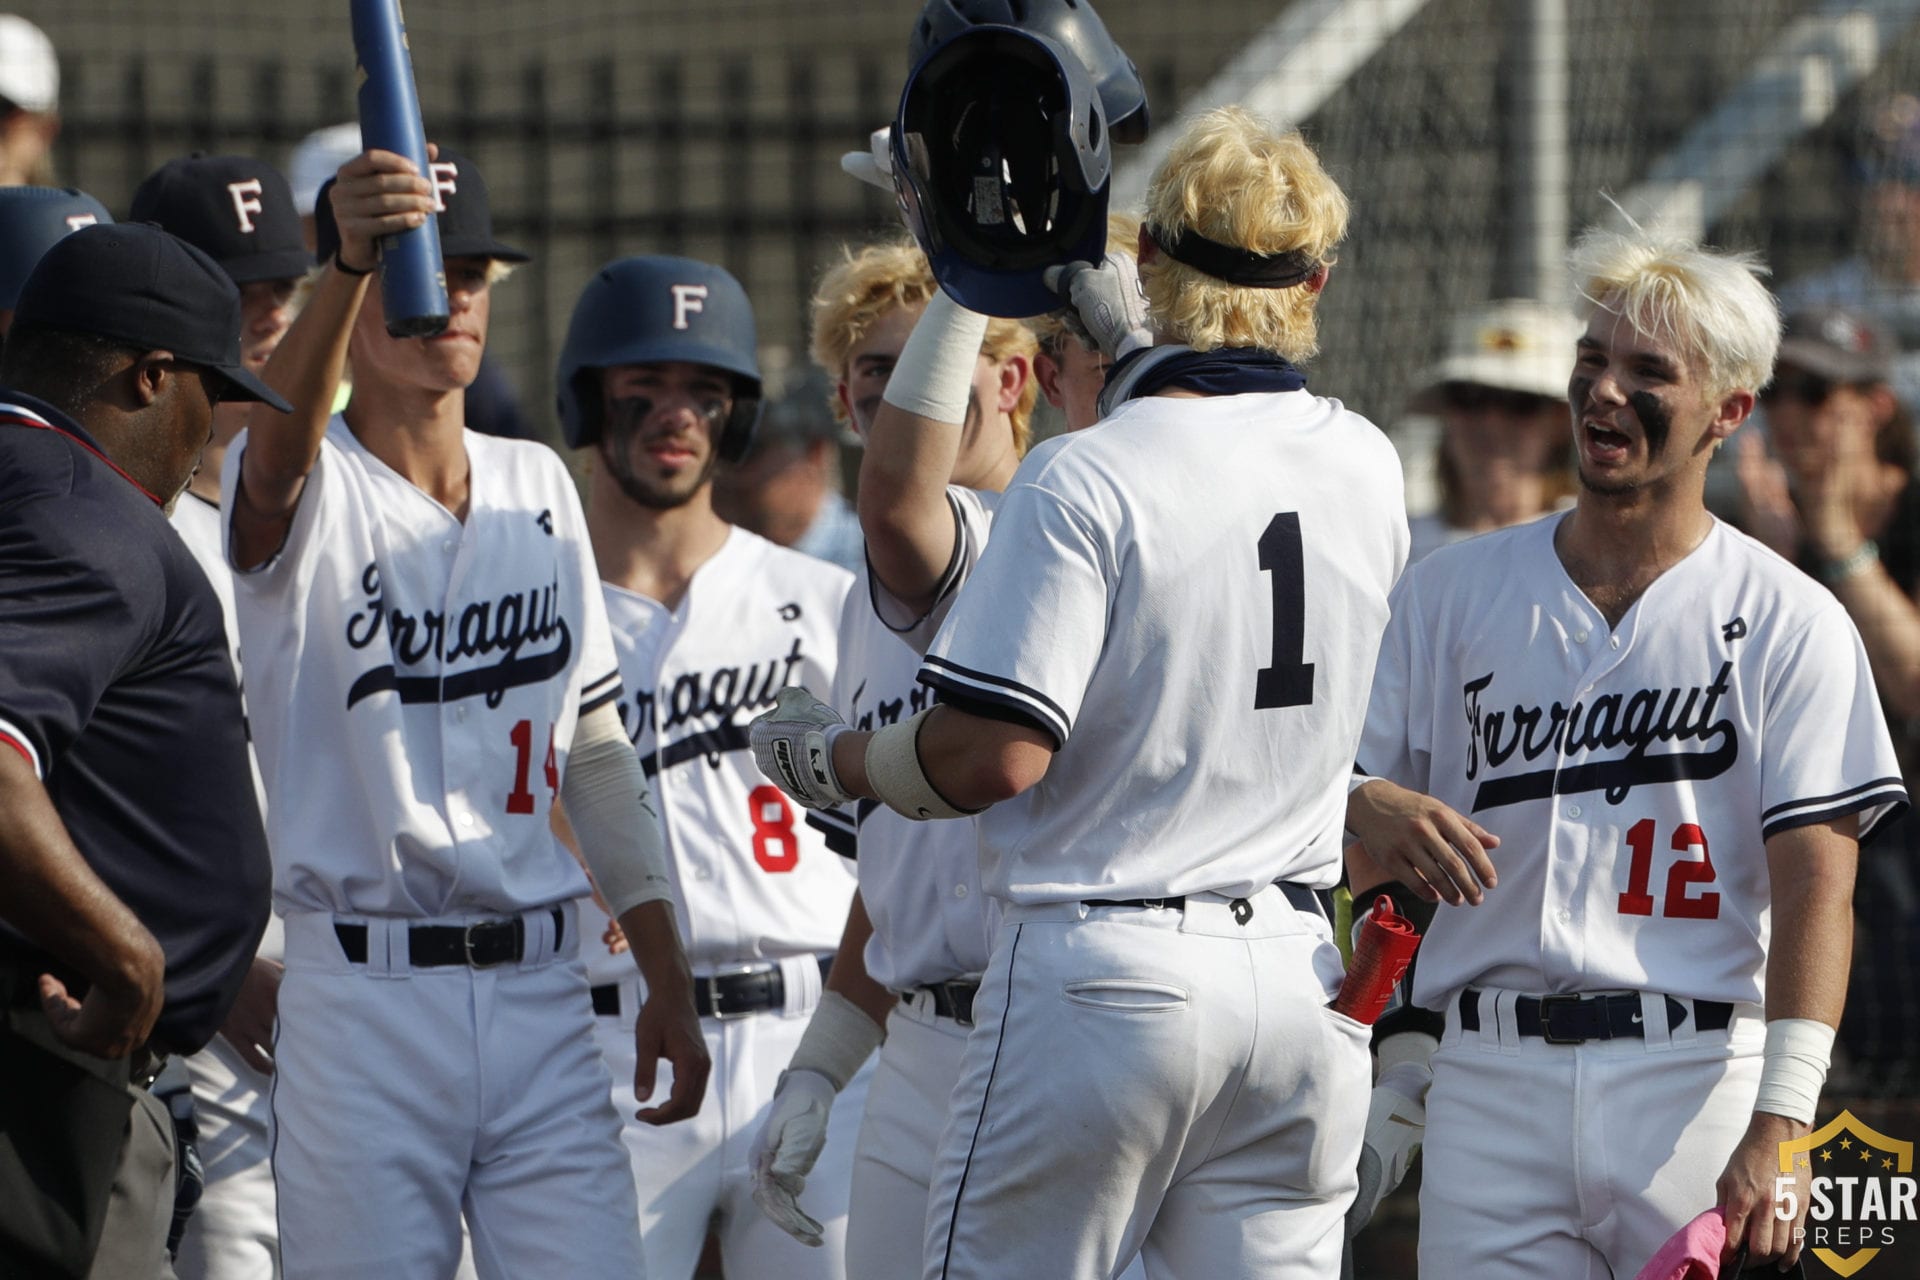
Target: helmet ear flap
pixel 736 435
pixel 584 423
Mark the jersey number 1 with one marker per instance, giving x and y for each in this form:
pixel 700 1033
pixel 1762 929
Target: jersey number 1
pixel 1289 681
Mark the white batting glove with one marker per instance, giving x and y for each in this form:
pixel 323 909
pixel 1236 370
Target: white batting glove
pixel 793 745
pixel 874 166
pixel 786 1147
pixel 1396 1123
pixel 1107 299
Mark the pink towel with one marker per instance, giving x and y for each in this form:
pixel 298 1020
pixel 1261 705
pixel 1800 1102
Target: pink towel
pixel 1693 1253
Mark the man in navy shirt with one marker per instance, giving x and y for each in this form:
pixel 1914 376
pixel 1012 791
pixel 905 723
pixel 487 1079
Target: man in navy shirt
pixel 133 867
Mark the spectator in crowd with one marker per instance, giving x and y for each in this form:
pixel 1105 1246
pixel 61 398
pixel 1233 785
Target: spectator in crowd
pixel 133 866
pixel 1882 278
pixel 1500 393
pixel 1070 367
pixel 32 220
pixel 787 488
pixel 1839 497
pixel 29 103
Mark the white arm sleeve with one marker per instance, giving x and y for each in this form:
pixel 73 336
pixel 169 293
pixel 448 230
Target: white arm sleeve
pixel 612 815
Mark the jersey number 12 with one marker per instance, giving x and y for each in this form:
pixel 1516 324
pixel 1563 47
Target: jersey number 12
pixel 1288 682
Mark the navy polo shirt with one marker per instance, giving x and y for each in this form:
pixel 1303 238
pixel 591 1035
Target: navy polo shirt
pixel 115 684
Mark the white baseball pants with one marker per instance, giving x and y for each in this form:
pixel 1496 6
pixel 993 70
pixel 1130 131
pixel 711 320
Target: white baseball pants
pixel 1576 1161
pixel 1154 1079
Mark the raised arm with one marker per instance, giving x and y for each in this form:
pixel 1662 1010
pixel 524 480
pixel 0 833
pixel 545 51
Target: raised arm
pixel 377 193
pixel 911 449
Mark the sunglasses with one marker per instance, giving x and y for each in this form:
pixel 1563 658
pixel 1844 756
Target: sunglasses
pixel 1471 397
pixel 1800 387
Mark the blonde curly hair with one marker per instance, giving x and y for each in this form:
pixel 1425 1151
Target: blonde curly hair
pixel 875 279
pixel 1235 179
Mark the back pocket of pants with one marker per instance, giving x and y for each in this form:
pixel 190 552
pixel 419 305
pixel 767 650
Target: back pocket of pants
pixel 1126 995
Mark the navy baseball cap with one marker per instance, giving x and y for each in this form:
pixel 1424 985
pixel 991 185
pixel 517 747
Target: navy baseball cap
pixel 32 220
pixel 136 284
pixel 465 218
pixel 235 209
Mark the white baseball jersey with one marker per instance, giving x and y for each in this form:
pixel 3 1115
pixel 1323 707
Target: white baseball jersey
pixel 920 881
pixel 1196 628
pixel 416 680
pixel 753 880
pixel 1632 775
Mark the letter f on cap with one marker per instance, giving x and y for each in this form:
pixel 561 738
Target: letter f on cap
pixel 246 201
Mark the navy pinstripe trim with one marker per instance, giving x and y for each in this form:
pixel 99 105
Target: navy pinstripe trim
pixel 986 1096
pixel 949 676
pixel 1836 797
pixel 1895 798
pixel 598 693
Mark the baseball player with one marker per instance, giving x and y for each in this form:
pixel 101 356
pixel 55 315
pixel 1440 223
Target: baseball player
pixel 240 212
pixel 917 937
pixel 659 376
pixel 1151 688
pixel 1650 746
pixel 422 602
pixel 32 220
pixel 1071 366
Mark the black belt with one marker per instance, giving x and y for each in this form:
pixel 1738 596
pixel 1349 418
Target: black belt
pixel 1578 1019
pixel 725 995
pixel 1303 898
pixel 480 945
pixel 951 999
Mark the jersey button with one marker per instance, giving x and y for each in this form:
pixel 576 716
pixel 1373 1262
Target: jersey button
pixel 1614 641
pixel 1566 916
pixel 959 891
pixel 1579 637
pixel 466 819
pixel 1573 811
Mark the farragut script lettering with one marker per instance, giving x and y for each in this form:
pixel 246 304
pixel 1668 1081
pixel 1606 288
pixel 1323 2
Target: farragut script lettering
pixel 724 698
pixel 522 635
pixel 1636 722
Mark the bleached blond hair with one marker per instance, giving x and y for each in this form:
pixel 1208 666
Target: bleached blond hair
pixel 1051 330
pixel 875 279
pixel 1236 179
pixel 1709 302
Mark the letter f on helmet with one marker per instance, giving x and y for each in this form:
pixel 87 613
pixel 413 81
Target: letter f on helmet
pixel 687 300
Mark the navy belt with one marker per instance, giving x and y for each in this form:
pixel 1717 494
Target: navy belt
pixel 725 995
pixel 1311 901
pixel 951 999
pixel 479 945
pixel 1578 1019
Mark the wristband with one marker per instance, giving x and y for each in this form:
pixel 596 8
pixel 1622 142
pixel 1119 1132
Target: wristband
pixel 340 264
pixel 837 1042
pixel 1835 572
pixel 933 378
pixel 1795 1068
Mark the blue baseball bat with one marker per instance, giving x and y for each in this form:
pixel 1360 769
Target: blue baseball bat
pixel 413 277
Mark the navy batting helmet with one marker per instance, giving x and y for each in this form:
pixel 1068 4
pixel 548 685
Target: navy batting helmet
pixel 1071 24
pixel 1002 166
pixel 651 309
pixel 32 220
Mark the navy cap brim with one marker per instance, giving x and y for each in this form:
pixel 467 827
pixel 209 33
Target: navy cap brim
pixel 481 247
pixel 279 264
pixel 243 385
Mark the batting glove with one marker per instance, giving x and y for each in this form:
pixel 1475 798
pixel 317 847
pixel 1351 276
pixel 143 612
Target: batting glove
pixel 786 1147
pixel 1396 1123
pixel 793 745
pixel 874 166
pixel 1107 299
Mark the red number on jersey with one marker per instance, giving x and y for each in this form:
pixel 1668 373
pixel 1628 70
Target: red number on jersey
pixel 1679 905
pixel 775 847
pixel 520 800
